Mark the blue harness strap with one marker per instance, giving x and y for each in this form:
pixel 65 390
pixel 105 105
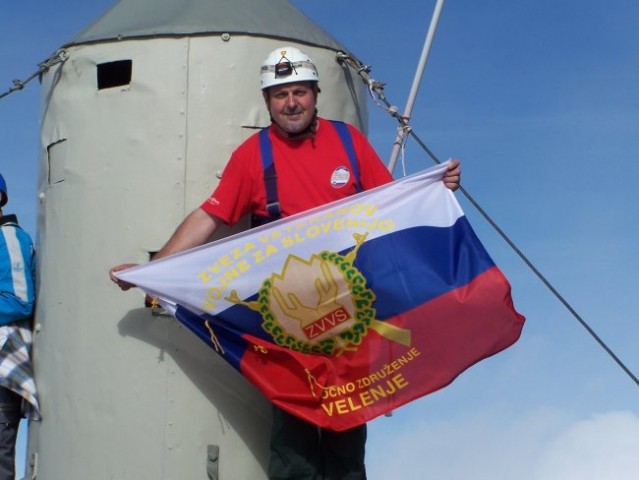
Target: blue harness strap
pixel 270 175
pixel 347 142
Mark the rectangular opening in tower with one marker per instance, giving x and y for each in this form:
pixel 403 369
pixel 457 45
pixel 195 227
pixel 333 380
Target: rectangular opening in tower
pixel 114 74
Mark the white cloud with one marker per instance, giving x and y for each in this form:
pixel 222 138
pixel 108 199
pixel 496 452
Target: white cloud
pixel 545 444
pixel 600 448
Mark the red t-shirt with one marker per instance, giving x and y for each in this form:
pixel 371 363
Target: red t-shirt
pixel 310 172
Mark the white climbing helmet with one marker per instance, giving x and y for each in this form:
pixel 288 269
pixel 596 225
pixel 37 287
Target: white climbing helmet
pixel 287 65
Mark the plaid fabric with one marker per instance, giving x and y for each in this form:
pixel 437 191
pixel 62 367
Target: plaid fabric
pixel 17 292
pixel 16 371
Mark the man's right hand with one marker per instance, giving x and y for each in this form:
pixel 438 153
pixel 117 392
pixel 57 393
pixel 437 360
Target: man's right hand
pixel 121 283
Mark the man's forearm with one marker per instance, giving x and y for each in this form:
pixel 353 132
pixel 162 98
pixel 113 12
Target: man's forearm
pixel 195 230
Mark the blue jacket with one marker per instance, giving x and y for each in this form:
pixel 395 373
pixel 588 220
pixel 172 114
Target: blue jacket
pixel 17 271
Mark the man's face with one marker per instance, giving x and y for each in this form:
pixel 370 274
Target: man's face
pixel 292 105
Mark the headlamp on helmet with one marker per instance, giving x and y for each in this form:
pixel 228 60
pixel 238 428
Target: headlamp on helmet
pixel 287 65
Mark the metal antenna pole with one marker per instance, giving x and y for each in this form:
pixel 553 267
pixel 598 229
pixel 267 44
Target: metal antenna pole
pixel 416 82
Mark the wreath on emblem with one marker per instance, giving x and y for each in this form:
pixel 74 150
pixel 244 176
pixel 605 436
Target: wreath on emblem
pixel 331 317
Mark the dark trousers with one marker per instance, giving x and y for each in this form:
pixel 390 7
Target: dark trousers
pixel 302 451
pixel 9 419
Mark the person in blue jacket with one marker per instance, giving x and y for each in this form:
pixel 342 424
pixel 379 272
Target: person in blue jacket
pixel 18 396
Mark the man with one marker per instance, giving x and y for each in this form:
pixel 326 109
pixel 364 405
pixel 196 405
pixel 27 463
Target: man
pixel 301 161
pixel 17 292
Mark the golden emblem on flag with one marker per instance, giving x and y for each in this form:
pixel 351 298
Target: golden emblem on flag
pixel 321 305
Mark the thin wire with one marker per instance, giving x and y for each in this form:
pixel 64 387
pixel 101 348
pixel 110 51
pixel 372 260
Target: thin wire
pixel 533 268
pixel 43 67
pixel 377 88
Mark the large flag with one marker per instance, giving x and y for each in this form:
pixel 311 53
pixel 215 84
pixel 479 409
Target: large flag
pixel 350 310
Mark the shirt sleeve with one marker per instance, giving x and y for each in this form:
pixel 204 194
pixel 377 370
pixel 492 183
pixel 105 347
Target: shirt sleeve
pixel 235 195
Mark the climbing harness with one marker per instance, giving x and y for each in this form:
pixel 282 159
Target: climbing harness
pixel 273 208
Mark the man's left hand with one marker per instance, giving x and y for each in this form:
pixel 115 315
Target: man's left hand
pixel 452 176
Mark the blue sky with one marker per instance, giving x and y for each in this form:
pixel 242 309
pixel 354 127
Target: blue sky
pixel 540 101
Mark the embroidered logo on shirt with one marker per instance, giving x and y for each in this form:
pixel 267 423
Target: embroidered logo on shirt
pixel 340 177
